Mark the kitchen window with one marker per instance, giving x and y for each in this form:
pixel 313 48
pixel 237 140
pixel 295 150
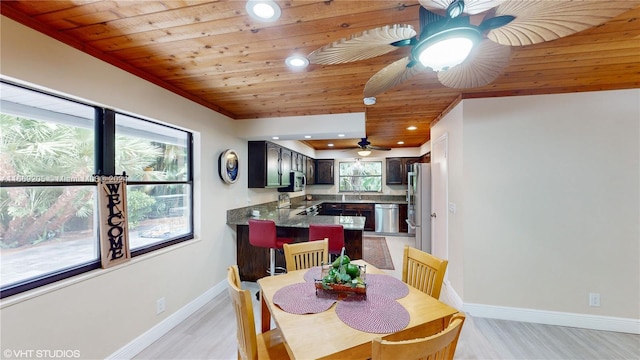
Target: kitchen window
pixel 50 148
pixel 360 176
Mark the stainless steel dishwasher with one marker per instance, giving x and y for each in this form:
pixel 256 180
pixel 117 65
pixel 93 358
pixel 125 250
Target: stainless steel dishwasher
pixel 387 218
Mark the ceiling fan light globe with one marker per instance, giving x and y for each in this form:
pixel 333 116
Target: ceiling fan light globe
pixel 446 54
pixel 364 152
pixel 446 48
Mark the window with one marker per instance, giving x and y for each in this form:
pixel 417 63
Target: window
pixel 360 176
pixel 50 147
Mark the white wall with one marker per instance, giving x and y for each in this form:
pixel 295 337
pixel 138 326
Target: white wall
pixel 548 195
pixel 99 312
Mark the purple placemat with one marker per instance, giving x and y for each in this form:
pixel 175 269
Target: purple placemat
pixel 376 314
pixel 301 299
pixel 386 285
pixel 313 273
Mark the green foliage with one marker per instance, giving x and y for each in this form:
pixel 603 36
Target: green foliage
pixel 139 205
pixel 364 176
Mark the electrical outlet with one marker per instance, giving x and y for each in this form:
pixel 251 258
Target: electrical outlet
pixel 452 208
pixel 594 299
pixel 160 305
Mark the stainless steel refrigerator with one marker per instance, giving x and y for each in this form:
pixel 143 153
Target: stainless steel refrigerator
pixel 419 205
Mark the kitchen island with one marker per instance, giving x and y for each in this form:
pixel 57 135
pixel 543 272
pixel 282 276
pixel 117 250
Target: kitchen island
pixel 253 262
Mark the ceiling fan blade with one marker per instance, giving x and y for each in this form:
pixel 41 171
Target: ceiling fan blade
pixel 381 148
pixel 391 75
pixel 471 7
pixel 365 45
pixel 485 63
pixel 538 21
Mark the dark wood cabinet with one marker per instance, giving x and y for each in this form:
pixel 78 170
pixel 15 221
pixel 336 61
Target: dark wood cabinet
pixel 332 209
pixel 285 166
pixel 402 218
pixel 398 169
pixel 324 172
pixel 394 171
pixel 366 210
pixel 311 171
pixel 269 165
pixel 351 209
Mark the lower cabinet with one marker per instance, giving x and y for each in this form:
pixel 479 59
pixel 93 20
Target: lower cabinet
pixel 366 210
pixel 350 209
pixel 402 218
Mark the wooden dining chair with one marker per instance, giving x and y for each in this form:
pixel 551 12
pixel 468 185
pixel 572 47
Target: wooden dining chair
pixel 423 271
pixel 304 255
pixel 252 346
pixel 441 346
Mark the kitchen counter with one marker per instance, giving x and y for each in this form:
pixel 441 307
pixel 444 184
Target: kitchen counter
pixel 289 218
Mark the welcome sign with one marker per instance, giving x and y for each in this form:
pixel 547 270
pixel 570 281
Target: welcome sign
pixel 114 234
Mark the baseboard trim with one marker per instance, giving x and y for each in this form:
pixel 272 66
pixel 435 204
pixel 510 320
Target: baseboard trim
pixel 138 344
pixel 452 296
pixel 585 321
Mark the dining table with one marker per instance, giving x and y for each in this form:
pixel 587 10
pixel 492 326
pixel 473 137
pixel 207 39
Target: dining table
pixel 343 328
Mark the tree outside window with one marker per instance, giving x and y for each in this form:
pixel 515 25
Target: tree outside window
pixel 360 176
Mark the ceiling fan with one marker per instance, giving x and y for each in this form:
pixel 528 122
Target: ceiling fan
pixel 364 147
pixel 466 42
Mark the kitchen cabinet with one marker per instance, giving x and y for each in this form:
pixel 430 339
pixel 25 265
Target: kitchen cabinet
pixel 285 166
pixel 332 209
pixel 324 172
pixel 311 171
pixel 402 218
pixel 351 209
pixel 366 210
pixel 269 165
pixel 398 169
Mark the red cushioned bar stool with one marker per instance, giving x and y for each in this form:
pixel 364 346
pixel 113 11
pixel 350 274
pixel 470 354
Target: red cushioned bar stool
pixel 262 233
pixel 335 234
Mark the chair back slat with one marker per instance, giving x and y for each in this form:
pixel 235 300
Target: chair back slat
pixel 243 309
pixel 441 346
pixel 423 271
pixel 305 255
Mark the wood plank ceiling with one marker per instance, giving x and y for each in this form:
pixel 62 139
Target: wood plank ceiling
pixel 213 53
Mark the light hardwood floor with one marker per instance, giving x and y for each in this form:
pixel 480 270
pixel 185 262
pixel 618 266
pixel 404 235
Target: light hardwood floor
pixel 210 334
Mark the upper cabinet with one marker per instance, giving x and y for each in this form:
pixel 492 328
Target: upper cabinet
pixel 270 165
pixel 310 171
pixel 398 169
pixel 324 172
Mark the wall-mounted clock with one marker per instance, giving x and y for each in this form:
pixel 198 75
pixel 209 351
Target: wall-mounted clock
pixel 228 166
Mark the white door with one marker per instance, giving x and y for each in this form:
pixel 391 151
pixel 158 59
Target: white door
pixel 439 217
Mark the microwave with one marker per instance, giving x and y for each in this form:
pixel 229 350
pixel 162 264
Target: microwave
pixel 297 182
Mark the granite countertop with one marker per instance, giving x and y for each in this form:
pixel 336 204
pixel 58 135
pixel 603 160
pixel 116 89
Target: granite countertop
pixel 288 217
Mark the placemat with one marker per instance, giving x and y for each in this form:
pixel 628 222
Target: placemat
pixel 386 285
pixel 301 299
pixel 313 273
pixel 376 314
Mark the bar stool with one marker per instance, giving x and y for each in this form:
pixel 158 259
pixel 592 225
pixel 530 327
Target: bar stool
pixel 335 234
pixel 262 233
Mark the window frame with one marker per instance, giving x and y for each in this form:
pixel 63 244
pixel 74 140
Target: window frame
pixel 104 163
pixel 341 176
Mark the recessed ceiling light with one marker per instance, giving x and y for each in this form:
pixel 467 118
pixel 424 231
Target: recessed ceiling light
pixel 340 135
pixel 411 128
pixel 400 143
pixel 307 136
pixel 369 101
pixel 329 144
pixel 275 138
pixel 297 61
pixel 263 10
